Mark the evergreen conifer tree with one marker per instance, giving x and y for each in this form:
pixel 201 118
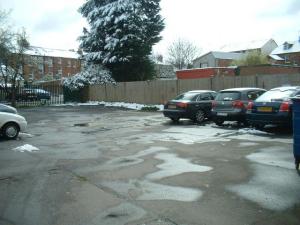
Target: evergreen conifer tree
pixel 121 36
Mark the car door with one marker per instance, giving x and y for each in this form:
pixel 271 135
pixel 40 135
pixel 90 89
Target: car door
pixel 203 102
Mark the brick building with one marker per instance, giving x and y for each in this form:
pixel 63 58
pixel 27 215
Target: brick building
pixel 50 63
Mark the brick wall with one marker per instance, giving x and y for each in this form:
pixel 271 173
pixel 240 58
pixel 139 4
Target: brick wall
pixel 204 73
pixel 268 70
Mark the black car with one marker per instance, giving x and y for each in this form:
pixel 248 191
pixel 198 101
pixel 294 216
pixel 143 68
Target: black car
pixel 32 94
pixel 195 105
pixel 231 104
pixel 273 107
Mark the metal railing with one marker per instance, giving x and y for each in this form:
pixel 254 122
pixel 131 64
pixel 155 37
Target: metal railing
pixel 34 95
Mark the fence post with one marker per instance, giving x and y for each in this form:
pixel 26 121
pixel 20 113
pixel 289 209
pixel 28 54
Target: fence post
pixel 105 90
pixel 256 80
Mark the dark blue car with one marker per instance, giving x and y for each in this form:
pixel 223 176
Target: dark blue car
pixel 274 107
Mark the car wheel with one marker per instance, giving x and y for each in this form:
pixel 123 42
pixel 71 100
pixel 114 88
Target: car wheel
pixel 174 119
pixel 258 126
pixel 246 123
pixel 297 164
pixel 199 116
pixel 219 122
pixel 10 130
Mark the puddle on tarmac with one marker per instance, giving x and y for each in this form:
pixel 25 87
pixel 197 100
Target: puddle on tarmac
pixel 132 159
pixel 120 215
pixel 146 190
pixel 275 184
pixel 81 124
pixel 160 222
pixel 120 162
pixel 173 165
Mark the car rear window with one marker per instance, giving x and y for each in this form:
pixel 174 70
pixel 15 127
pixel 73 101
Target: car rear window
pixel 186 96
pixel 276 95
pixel 228 96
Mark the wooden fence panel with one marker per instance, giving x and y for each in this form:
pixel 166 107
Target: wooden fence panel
pixel 159 91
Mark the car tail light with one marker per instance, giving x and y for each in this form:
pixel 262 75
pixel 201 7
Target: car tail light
pixel 214 104
pixel 250 106
pixel 238 104
pixel 285 107
pixel 182 104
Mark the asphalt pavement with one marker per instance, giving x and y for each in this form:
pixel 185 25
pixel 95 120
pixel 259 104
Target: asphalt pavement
pixel 91 165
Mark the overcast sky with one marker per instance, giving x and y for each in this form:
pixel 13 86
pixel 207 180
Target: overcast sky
pixel 210 24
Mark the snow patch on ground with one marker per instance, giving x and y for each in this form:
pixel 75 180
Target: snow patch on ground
pixel 26 135
pixel 134 106
pixel 275 184
pixel 248 144
pixel 273 188
pixel 145 190
pixel 173 165
pixel 195 134
pixel 26 148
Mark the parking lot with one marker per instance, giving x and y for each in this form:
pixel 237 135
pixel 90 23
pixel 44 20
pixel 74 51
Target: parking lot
pixel 92 165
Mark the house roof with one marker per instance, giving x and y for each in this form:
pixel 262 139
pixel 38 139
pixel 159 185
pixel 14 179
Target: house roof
pixel 227 55
pixel 39 51
pixel 287 47
pixel 276 57
pixel 223 55
pixel 255 44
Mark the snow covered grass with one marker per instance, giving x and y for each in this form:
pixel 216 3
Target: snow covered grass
pixel 134 106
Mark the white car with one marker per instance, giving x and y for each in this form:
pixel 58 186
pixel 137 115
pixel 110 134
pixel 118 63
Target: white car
pixel 11 123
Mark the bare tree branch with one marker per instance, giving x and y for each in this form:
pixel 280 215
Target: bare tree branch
pixel 181 53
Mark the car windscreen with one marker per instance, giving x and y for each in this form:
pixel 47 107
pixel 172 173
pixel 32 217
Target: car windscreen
pixel 186 96
pixel 228 96
pixel 276 95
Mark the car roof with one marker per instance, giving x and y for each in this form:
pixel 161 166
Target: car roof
pixel 243 89
pixel 284 88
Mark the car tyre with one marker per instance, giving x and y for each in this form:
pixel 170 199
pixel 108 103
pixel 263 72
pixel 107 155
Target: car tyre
pixel 174 119
pixel 297 164
pixel 10 131
pixel 199 116
pixel 258 126
pixel 219 122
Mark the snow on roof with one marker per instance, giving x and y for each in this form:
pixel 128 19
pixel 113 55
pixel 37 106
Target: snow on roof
pixel 227 55
pixel 39 51
pixel 287 47
pixel 255 44
pixel 276 57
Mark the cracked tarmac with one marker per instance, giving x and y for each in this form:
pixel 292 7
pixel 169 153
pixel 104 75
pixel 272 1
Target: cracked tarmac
pixel 103 166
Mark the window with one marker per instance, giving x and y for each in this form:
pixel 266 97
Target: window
pixel 69 63
pixel 41 68
pixel 203 65
pixel 252 95
pixel 204 97
pixel 58 60
pixel 50 62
